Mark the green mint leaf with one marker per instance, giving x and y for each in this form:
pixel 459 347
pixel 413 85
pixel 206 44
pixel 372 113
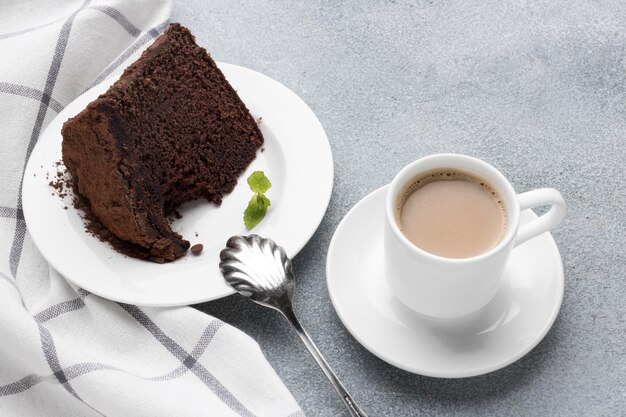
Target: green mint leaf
pixel 258 204
pixel 261 200
pixel 258 182
pixel 255 212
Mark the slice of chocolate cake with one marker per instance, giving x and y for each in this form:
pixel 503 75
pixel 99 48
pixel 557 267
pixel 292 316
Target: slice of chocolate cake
pixel 170 130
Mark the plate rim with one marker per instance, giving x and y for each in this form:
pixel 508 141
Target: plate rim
pixel 323 199
pixel 419 370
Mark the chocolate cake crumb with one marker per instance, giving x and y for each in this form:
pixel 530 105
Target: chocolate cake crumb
pixel 62 182
pixel 197 248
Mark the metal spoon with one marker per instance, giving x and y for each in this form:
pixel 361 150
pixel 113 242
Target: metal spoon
pixel 259 269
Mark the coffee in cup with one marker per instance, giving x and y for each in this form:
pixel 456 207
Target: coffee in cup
pixel 456 280
pixel 451 213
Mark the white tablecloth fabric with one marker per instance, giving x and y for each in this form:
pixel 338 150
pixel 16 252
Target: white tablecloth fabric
pixel 63 351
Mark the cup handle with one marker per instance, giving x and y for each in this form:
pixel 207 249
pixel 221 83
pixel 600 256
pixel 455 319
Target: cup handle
pixel 554 216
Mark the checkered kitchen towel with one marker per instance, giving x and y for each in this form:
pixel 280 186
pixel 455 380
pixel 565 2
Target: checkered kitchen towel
pixel 65 352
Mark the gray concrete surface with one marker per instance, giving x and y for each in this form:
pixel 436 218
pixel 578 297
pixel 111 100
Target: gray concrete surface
pixel 535 88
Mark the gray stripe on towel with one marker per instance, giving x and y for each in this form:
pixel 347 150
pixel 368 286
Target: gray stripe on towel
pixel 200 371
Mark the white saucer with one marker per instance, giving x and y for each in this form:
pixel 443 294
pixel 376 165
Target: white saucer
pixel 511 325
pixel 296 158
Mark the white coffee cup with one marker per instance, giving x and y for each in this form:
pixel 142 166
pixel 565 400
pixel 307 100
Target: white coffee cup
pixel 442 287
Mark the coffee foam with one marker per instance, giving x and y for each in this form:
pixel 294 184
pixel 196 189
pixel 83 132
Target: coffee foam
pixel 442 174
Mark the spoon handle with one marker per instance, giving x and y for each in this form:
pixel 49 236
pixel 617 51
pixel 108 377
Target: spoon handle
pixel 354 409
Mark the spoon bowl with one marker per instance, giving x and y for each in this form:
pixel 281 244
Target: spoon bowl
pixel 258 269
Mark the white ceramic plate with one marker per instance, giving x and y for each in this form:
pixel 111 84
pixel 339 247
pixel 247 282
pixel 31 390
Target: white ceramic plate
pixel 506 329
pixel 297 159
